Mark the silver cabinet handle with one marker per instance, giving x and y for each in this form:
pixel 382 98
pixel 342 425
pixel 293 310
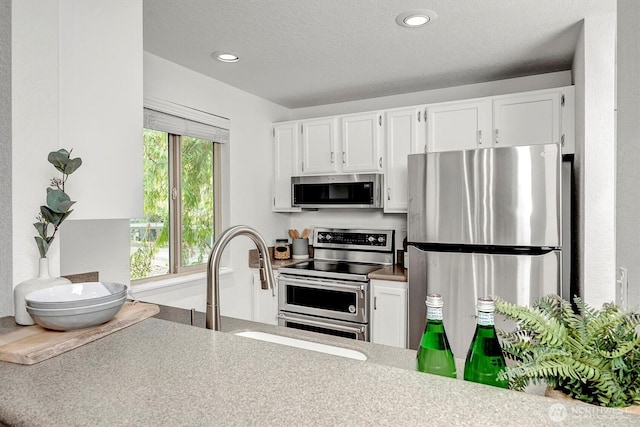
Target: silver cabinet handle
pixel 419 115
pixel 388 193
pixel 380 162
pixel 343 154
pixel 380 120
pixel 375 303
pixel 332 157
pixel 497 139
pixel 480 136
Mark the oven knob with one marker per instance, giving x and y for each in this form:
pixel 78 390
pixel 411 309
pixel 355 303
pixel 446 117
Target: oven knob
pixel 329 237
pixel 371 238
pixel 320 236
pixel 352 309
pixel 381 239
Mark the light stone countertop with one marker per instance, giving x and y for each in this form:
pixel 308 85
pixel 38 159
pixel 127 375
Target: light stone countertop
pixel 159 372
pixel 394 273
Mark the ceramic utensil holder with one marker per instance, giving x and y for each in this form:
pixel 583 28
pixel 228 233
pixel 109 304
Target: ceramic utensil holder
pixel 300 248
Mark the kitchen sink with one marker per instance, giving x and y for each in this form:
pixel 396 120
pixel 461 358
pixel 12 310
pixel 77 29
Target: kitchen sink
pixel 307 345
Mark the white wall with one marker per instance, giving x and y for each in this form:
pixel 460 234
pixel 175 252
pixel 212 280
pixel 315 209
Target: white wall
pixel 34 103
pixel 77 83
pixel 100 104
pixel 96 245
pixel 247 161
pixel 6 255
pixel 628 146
pixel 594 76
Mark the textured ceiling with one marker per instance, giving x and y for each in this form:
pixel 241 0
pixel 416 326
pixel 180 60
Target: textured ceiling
pixel 300 53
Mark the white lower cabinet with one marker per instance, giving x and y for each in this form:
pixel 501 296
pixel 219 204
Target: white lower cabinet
pixel 264 307
pixel 389 313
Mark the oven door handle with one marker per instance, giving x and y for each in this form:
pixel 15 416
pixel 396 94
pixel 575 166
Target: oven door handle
pixel 354 329
pixel 327 285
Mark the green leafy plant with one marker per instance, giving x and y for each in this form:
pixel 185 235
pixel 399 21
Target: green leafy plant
pixel 590 355
pixel 58 206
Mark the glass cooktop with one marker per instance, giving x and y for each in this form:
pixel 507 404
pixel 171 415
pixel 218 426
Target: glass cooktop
pixel 332 269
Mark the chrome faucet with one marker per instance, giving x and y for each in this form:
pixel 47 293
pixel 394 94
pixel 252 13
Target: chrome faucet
pixel 213 288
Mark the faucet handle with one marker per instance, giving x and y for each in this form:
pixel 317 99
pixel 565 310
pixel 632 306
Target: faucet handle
pixel 263 279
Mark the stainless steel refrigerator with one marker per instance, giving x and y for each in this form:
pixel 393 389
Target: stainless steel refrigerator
pixel 485 222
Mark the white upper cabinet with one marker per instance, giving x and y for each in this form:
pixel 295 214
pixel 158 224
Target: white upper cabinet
pixel 361 143
pixel 404 134
pixel 527 119
pixel 285 164
pixel 459 125
pixel 319 144
pixel 380 141
pixel 537 117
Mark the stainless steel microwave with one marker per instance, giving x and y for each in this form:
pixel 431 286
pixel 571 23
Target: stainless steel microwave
pixel 337 191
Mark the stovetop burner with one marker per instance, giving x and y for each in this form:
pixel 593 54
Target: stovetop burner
pixel 332 270
pixel 337 267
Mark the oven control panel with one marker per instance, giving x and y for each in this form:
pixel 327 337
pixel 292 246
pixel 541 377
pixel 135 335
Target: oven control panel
pixel 361 239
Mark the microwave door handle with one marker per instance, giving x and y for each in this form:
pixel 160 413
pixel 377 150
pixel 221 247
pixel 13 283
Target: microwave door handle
pixel 357 330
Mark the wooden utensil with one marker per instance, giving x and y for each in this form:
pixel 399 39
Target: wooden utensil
pixel 291 234
pixel 305 233
pixel 296 234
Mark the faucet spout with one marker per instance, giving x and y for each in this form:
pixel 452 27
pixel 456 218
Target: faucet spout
pixel 213 267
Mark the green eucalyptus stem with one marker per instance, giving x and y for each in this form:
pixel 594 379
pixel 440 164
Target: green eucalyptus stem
pixel 58 206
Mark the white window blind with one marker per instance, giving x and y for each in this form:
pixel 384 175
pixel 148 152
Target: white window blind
pixel 174 118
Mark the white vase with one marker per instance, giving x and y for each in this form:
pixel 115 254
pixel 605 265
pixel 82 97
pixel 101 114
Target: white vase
pixel 44 280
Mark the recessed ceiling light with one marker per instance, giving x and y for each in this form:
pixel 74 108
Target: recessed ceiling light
pixel 416 18
pixel 225 56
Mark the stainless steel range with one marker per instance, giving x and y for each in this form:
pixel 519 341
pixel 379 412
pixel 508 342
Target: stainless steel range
pixel 330 293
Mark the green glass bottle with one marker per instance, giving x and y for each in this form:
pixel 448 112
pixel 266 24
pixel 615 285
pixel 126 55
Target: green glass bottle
pixel 484 359
pixel 434 355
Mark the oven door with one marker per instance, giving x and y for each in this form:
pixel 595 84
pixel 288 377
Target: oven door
pixel 335 299
pixel 333 327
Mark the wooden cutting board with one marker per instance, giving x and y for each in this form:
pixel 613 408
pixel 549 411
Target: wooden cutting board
pixel 32 344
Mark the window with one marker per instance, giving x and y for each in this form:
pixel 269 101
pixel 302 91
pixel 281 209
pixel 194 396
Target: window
pixel 181 195
pixel 178 228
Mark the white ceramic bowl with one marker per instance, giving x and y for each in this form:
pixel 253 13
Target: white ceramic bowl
pixel 67 319
pixel 76 295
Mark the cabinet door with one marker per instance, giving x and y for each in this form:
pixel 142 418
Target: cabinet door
pixel 527 119
pixel 389 313
pixel 265 305
pixel 459 125
pixel 568 120
pixel 319 146
pixel 361 139
pixel 285 162
pixel 405 134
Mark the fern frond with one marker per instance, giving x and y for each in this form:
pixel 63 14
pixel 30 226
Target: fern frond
pixel 592 355
pixel 549 331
